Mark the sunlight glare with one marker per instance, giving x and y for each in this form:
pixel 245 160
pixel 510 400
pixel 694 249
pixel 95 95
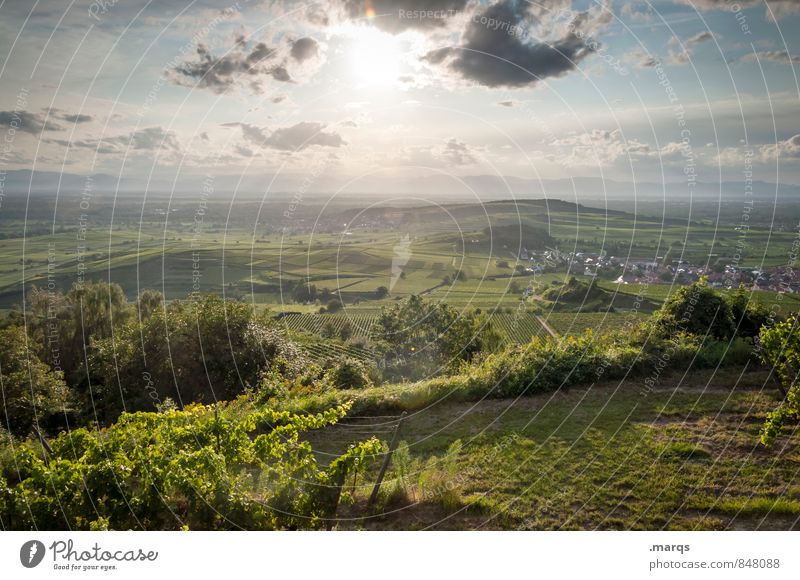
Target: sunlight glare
pixel 375 57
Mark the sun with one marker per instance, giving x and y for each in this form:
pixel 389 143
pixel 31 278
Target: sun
pixel 375 57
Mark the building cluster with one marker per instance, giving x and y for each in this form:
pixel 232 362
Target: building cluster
pixel 628 270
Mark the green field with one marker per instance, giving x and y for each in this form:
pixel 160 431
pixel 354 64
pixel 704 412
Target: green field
pixel 686 456
pixel 249 253
pixel 566 323
pixel 517 327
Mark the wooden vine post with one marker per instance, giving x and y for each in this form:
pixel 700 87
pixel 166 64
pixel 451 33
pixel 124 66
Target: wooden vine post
pixel 386 460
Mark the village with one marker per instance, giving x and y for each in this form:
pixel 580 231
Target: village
pixel 631 270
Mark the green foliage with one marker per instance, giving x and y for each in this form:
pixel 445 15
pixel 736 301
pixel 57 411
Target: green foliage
pixel 748 316
pixel 348 374
pixel 696 309
pixel 435 480
pixel 575 290
pixel 419 338
pixel 780 348
pixel 70 321
pixel 199 350
pixel 229 466
pixel 31 392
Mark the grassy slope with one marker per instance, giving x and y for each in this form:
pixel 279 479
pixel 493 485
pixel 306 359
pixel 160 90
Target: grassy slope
pixel 685 456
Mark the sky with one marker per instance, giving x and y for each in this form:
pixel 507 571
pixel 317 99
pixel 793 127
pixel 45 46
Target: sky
pixel 333 94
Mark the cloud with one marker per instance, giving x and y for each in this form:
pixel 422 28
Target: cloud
pixel 507 103
pixel 27 122
pixel 779 56
pixel 396 16
pixel 788 149
pixel 497 51
pixel 640 59
pixel 294 138
pixel 282 63
pixel 447 155
pixel 68 117
pixel 77 118
pixel 703 36
pixel 638 12
pixel 147 139
pixel 774 9
pixel 596 147
pixel 456 152
pixel 684 54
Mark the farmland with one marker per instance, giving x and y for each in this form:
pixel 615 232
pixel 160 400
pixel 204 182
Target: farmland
pixel 368 315
pixel 459 254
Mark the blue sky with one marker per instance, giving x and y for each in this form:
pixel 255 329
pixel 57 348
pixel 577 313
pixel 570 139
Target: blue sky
pixel 626 90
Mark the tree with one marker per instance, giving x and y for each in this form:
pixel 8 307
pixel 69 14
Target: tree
pixel 149 301
pixel 87 312
pixel 381 292
pixel 696 309
pixel 419 338
pixel 748 316
pixel 348 374
pixel 201 350
pixel 30 390
pixel 346 331
pixel 779 347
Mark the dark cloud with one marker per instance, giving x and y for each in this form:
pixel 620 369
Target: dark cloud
pixel 221 73
pixel 304 49
pixel 27 122
pixel 77 118
pixel 147 139
pixel 396 16
pixel 497 51
pixel 294 138
pixel 68 117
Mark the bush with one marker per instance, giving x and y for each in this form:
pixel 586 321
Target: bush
pixel 31 392
pixel 201 350
pixel 206 468
pixel 696 309
pixel 348 374
pixel 779 347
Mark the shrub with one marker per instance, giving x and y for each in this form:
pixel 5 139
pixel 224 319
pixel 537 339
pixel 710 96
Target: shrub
pixel 31 392
pixel 696 309
pixel 208 468
pixel 779 347
pixel 200 350
pixel 348 374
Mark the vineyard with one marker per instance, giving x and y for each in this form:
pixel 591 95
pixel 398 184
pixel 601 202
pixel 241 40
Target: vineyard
pixel 567 323
pixel 317 324
pixel 517 327
pixel 321 351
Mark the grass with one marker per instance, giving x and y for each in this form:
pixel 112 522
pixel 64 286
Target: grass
pixel 683 456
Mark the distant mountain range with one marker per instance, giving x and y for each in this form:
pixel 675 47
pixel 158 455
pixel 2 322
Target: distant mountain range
pixel 469 188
